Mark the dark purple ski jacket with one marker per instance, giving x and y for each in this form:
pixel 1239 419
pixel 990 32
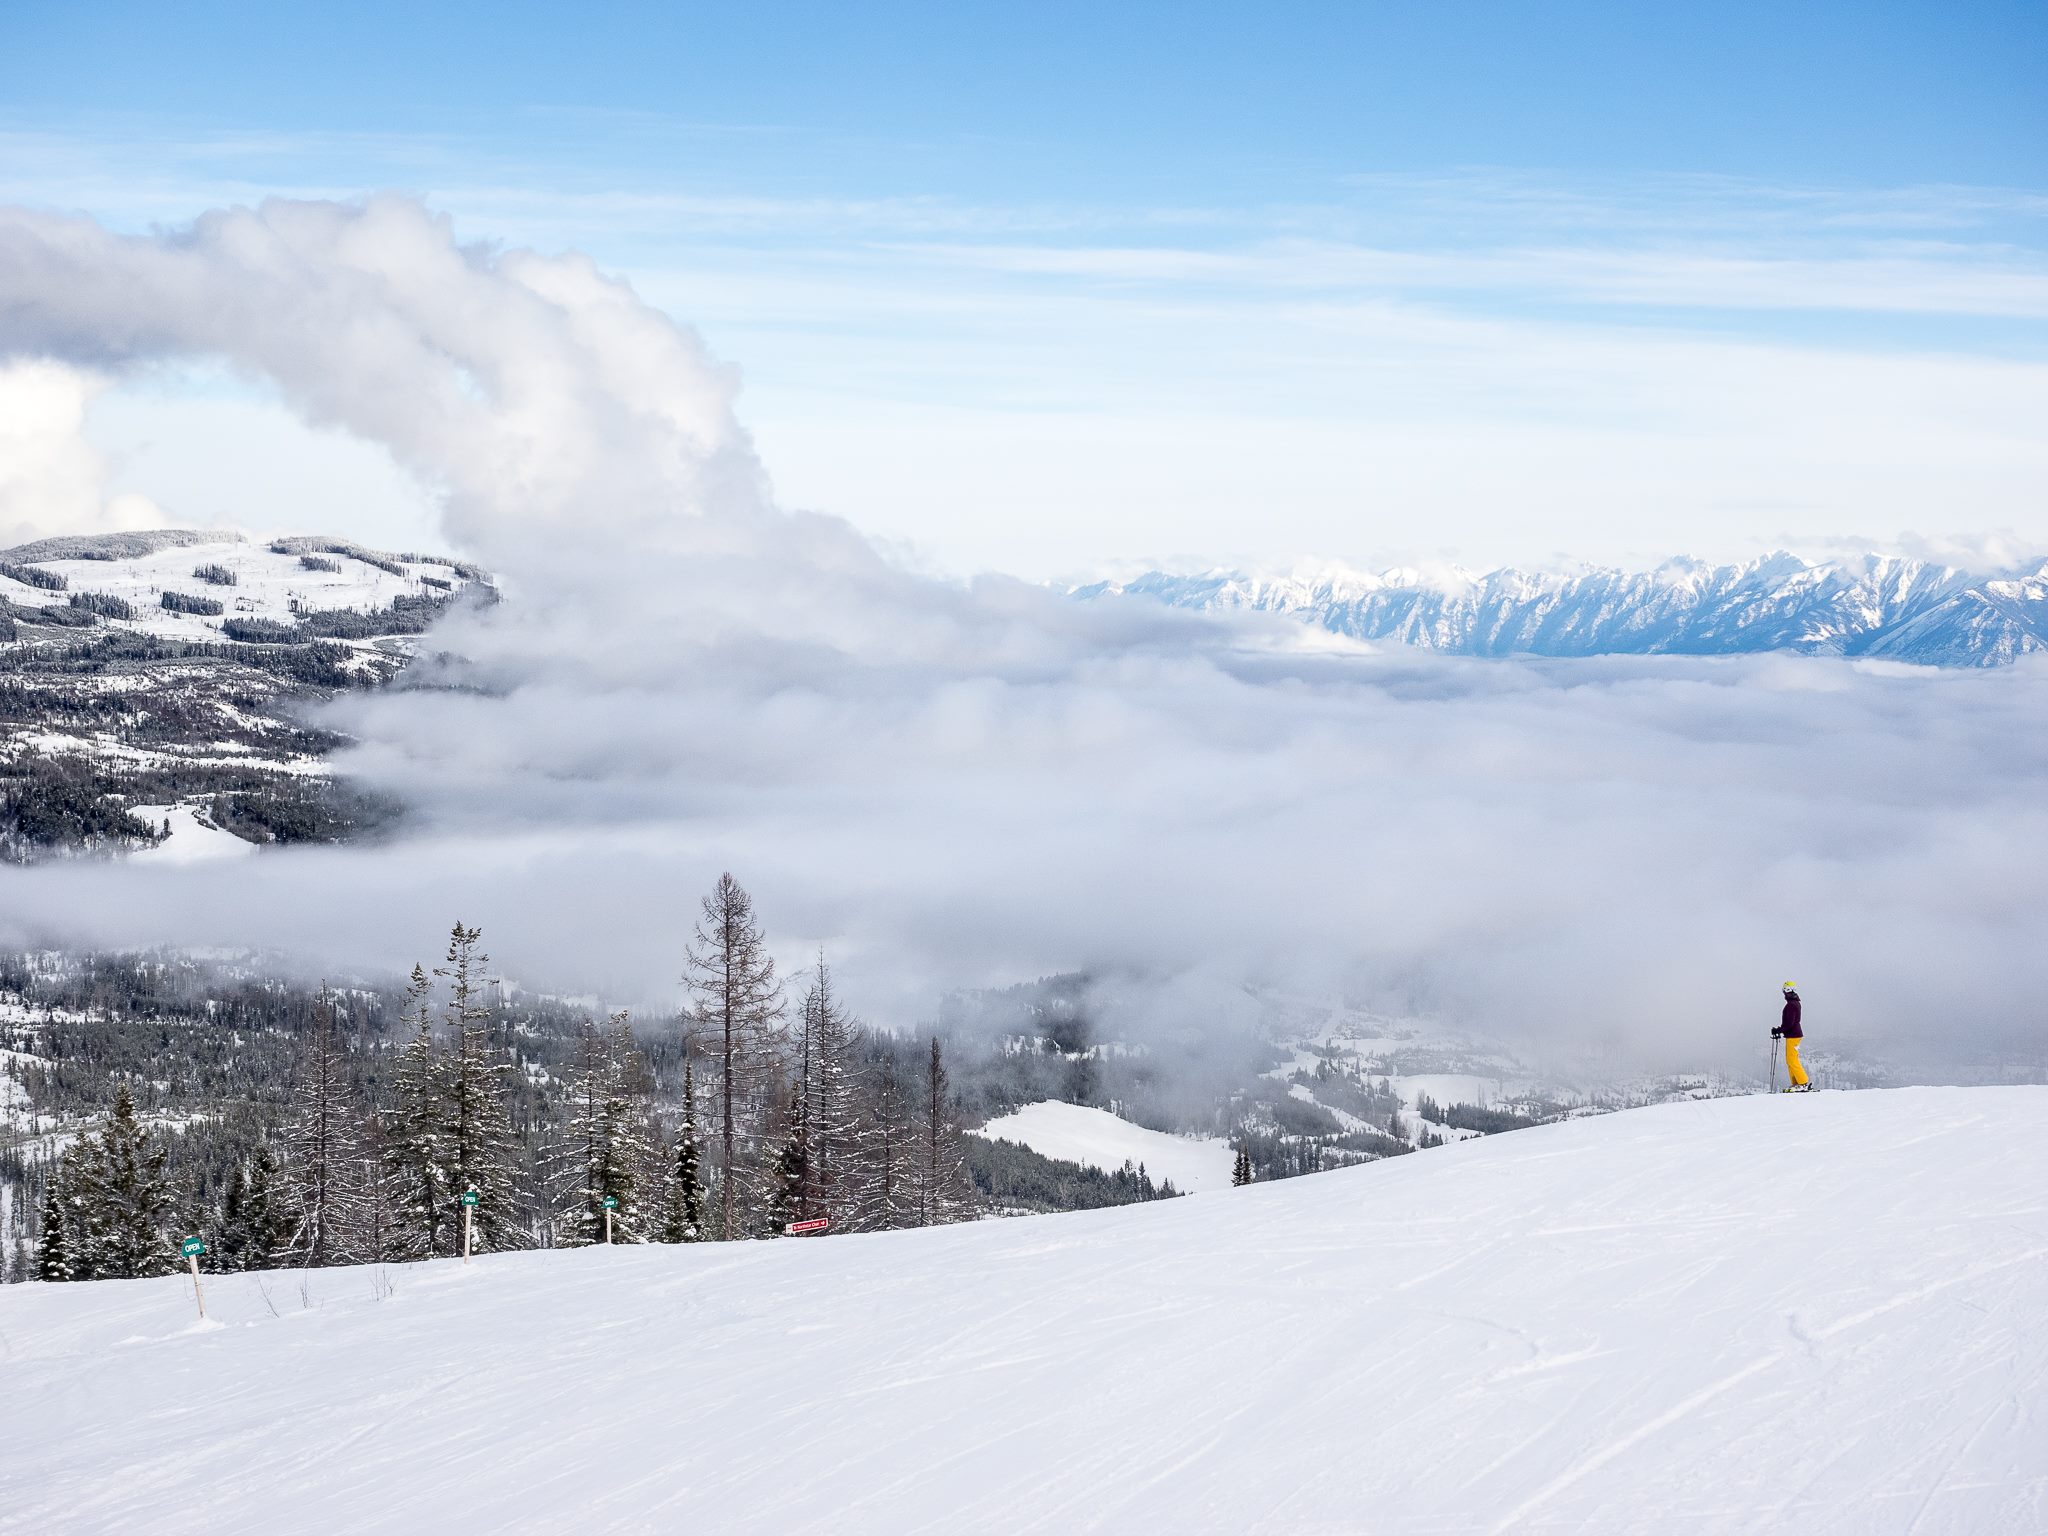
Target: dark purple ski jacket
pixel 1788 1026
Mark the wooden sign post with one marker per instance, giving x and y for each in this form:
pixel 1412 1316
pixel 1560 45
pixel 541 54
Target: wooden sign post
pixel 611 1203
pixel 191 1248
pixel 468 1209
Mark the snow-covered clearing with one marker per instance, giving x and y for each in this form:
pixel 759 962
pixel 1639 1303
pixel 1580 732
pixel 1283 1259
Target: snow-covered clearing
pixel 1825 1315
pixel 1073 1133
pixel 192 839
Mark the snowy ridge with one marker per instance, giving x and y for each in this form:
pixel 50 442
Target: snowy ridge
pixel 1825 1315
pixel 1879 605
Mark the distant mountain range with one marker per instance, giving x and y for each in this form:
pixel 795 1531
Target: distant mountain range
pixel 1876 605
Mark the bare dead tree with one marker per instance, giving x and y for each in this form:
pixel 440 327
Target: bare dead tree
pixel 735 1004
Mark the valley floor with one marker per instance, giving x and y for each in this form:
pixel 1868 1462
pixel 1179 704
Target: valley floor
pixel 1824 1315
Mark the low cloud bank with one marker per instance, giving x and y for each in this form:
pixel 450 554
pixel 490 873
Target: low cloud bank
pixel 970 784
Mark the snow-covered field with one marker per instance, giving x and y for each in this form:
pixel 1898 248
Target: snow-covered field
pixel 1816 1315
pixel 1074 1133
pixel 267 585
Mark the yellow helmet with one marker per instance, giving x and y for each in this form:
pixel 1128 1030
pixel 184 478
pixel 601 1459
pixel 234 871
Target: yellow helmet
pixel 1788 986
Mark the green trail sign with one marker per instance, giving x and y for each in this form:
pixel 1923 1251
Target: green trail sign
pixel 611 1202
pixel 191 1248
pixel 469 1197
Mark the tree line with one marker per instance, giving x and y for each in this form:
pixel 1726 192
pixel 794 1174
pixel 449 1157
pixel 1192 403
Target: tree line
pixel 789 1111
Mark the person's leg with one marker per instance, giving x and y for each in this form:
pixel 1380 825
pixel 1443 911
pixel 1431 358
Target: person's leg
pixel 1792 1062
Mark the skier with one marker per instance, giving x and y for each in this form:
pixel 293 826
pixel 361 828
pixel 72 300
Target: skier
pixel 1789 1031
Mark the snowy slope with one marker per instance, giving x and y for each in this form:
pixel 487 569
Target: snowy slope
pixel 1095 1138
pixel 1819 1315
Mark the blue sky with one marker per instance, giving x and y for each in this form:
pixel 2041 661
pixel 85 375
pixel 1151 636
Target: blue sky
pixel 1063 288
pixel 1163 100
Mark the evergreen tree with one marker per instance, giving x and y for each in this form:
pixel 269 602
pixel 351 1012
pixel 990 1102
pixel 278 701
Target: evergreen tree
pixel 886 1196
pixel 53 1247
pixel 942 1182
pixel 553 1187
pixel 324 1194
pixel 792 1169
pixel 608 1092
pixel 476 1133
pixel 124 1201
pixel 415 1154
pixel 378 1237
pixel 253 1229
pixel 683 1186
pixel 735 1003
pixel 831 1107
pixel 1241 1165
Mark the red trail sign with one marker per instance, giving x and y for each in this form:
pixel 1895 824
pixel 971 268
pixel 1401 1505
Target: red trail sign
pixel 815 1224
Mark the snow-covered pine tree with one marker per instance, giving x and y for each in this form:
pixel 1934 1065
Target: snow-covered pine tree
pixel 53 1241
pixel 415 1153
pixel 682 1190
pixel 477 1144
pixel 124 1200
pixel 942 1183
pixel 634 1136
pixel 735 1002
pixel 226 1245
pixel 792 1187
pixel 378 1238
pixel 885 1195
pixel 322 1181
pixel 831 1102
pixel 607 1135
pixel 551 1184
pixel 1241 1165
pixel 253 1228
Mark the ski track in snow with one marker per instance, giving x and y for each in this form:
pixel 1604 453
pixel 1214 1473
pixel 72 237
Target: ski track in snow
pixel 1732 1315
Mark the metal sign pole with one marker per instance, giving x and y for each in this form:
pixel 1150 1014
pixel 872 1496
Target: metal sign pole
pixel 192 1247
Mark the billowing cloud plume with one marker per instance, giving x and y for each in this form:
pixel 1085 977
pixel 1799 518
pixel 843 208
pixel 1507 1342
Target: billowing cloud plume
pixel 957 784
pixel 51 480
pixel 529 392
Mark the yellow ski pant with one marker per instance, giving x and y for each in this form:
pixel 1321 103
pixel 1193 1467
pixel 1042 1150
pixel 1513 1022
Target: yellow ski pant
pixel 1792 1061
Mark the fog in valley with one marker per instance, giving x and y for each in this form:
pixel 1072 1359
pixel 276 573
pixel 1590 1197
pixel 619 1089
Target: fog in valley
pixel 964 785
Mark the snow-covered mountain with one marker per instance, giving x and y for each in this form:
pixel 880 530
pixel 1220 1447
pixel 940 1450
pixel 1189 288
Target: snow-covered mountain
pixel 1877 605
pixel 1825 1315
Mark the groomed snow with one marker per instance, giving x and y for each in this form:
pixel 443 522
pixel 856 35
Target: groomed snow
pixel 1825 1315
pixel 1095 1138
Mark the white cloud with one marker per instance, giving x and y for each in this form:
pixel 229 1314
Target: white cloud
pixel 51 478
